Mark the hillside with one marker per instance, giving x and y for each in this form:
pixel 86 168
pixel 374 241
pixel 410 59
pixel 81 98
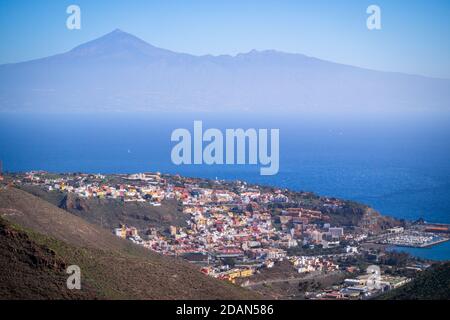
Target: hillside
pixel 120 72
pixel 39 240
pixel 31 270
pixel 432 284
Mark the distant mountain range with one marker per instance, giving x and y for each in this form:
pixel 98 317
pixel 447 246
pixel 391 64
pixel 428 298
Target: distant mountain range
pixel 119 71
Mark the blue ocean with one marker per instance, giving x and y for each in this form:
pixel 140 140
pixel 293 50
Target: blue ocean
pixel 399 165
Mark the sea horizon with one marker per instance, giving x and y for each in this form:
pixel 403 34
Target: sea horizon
pixel 398 166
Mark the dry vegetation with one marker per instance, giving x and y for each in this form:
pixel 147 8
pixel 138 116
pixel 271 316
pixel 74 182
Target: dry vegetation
pixel 111 267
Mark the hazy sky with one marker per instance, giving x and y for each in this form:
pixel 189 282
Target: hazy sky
pixel 415 35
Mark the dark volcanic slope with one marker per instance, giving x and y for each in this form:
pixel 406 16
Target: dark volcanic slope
pixel 31 270
pixel 45 239
pixel 432 284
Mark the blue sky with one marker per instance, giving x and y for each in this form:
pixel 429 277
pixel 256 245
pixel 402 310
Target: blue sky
pixel 415 35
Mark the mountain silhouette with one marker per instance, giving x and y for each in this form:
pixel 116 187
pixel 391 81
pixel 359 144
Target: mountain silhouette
pixel 119 71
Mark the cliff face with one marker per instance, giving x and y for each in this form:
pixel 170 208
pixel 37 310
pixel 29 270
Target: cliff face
pixel 71 202
pixel 375 222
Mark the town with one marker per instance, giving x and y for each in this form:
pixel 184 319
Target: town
pixel 242 233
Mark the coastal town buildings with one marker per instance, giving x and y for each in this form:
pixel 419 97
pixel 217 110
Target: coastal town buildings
pixel 234 231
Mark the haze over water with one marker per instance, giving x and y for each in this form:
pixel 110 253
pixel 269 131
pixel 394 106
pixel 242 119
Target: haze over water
pixel 400 166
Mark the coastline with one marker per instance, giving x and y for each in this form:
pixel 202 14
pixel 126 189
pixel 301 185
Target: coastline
pixel 437 252
pixel 229 182
pixel 427 245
